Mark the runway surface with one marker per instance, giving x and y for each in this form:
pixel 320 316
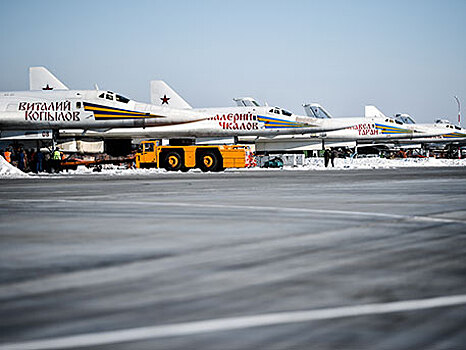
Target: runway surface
pixel 361 259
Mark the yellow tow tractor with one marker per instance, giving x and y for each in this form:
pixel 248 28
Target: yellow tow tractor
pixel 206 158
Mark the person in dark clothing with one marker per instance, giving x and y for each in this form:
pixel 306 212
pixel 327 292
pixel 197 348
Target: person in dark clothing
pixel 31 160
pixel 21 160
pixel 333 154
pixel 47 164
pixel 14 156
pixel 39 161
pixel 326 157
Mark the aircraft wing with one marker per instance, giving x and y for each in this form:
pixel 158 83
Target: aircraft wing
pixel 419 137
pixel 444 138
pixel 402 136
pixel 305 125
pixel 207 131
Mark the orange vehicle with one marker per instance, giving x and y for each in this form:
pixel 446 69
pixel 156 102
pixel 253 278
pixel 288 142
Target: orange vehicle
pixel 206 158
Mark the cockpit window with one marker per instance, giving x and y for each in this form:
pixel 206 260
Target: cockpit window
pixel 120 98
pixel 102 95
pixel 406 119
pixel 277 110
pixel 319 113
pixel 109 97
pixel 255 103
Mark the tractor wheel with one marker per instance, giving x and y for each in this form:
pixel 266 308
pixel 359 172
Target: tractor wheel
pixel 208 161
pixel 173 161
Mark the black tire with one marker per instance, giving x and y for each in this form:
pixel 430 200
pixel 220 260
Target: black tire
pixel 208 161
pixel 173 161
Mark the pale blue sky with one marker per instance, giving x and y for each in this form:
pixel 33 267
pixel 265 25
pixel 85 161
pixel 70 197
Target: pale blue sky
pixel 403 56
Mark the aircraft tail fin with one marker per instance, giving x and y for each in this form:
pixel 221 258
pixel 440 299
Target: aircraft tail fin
pixel 315 110
pixel 41 79
pixel 373 112
pixel 163 95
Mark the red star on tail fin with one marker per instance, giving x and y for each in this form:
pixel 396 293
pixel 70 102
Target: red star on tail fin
pixel 165 99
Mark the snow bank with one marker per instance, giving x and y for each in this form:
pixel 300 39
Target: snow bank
pixel 107 170
pixel 9 171
pixel 382 163
pixel 112 170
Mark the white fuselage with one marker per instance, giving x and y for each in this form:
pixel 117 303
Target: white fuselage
pixel 450 132
pixel 229 121
pixel 364 130
pixel 87 109
pixel 371 129
pixel 379 129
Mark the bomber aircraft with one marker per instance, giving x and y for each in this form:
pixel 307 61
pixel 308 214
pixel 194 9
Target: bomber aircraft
pixel 455 133
pixel 50 105
pixel 247 118
pixel 373 127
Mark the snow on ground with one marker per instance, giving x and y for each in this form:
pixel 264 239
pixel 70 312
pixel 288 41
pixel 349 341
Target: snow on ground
pixel 8 171
pixel 107 170
pixel 373 163
pixel 377 163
